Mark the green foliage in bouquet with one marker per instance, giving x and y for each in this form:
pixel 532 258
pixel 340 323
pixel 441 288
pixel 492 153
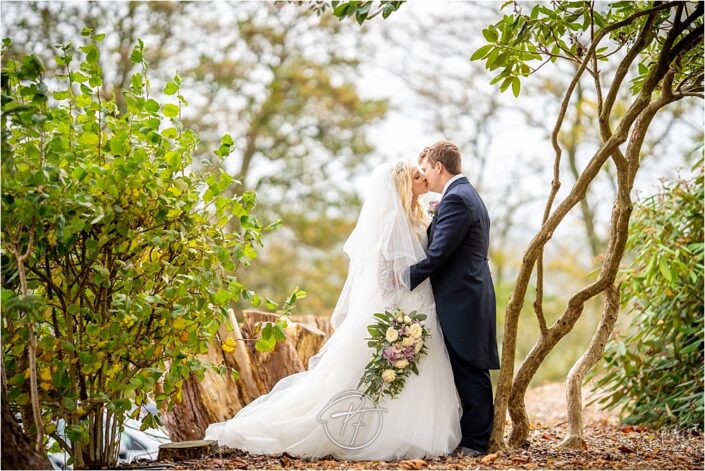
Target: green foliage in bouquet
pixel 399 342
pixel 116 270
pixel 655 374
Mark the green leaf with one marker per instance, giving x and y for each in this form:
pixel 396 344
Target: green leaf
pixel 170 110
pixel 516 86
pixel 171 88
pixel 222 296
pixel 505 85
pixel 490 35
pixel 173 160
pixel 151 105
pixel 481 52
pixel 78 77
pixel 265 344
pixel 665 270
pixel 136 55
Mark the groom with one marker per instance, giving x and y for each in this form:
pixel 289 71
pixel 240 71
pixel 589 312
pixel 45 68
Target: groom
pixel 456 263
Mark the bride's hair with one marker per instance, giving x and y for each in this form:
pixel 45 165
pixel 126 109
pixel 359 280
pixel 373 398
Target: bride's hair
pixel 401 176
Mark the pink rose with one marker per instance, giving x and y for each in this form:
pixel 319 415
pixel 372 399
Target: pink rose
pixel 433 206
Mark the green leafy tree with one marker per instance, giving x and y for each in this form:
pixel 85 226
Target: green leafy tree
pixel 275 76
pixel 117 271
pixel 654 373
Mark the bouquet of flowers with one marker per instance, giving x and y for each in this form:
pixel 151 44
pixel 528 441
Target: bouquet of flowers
pixel 399 341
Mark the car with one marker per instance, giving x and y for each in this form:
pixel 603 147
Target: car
pixel 134 443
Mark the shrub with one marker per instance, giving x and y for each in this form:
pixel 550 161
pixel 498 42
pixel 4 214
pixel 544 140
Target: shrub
pixel 655 374
pixel 128 271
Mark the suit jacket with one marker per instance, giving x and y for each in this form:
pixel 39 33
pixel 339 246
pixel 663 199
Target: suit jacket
pixel 456 262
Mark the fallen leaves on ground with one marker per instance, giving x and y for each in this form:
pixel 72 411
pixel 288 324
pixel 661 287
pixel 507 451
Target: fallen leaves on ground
pixel 610 446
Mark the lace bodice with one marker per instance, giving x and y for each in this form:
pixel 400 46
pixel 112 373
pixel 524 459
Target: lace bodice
pixel 388 281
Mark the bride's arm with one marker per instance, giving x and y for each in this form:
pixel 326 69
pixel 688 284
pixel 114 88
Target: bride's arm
pixel 387 281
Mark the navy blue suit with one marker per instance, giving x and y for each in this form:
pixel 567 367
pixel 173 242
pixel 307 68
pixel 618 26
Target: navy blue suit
pixel 456 263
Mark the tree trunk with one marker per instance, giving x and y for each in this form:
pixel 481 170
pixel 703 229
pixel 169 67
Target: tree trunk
pixel 619 228
pixel 591 356
pixel 17 448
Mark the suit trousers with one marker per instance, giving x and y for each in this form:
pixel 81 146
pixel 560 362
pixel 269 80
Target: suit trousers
pixel 475 390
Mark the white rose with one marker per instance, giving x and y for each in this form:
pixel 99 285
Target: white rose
pixel 415 331
pixel 399 317
pixel 388 376
pixel 407 319
pixel 401 364
pixel 408 342
pixel 418 346
pixel 392 334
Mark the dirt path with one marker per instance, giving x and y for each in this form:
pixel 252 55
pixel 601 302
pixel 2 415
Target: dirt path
pixel 611 446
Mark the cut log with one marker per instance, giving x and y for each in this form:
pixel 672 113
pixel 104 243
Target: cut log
pixel 217 397
pixel 275 365
pixel 322 322
pixel 191 450
pixel 306 337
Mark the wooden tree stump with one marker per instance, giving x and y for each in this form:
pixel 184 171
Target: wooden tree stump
pixel 275 365
pixel 191 450
pixel 321 322
pixel 216 398
pixel 306 337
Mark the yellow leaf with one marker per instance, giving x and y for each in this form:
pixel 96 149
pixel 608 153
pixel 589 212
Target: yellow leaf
pixel 113 370
pixel 179 323
pixel 45 374
pixel 45 386
pixel 229 345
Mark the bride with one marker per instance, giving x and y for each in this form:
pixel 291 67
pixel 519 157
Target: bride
pixel 297 415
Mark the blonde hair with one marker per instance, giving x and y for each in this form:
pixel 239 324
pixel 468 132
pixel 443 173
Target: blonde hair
pixel 401 176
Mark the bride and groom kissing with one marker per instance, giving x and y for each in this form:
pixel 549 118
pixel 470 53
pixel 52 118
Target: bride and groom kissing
pixel 400 258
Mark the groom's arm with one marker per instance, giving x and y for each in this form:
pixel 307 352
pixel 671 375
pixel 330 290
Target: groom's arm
pixel 451 227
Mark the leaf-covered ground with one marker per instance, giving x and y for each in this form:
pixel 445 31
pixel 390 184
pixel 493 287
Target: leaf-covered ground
pixel 611 446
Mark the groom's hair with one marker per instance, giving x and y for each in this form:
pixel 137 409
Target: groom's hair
pixel 446 153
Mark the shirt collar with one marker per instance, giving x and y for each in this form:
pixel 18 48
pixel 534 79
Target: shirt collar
pixel 457 177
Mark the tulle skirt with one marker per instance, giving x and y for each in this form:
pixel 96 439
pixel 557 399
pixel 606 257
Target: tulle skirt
pixel 422 421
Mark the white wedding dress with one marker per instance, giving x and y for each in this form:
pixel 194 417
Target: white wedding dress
pixel 424 420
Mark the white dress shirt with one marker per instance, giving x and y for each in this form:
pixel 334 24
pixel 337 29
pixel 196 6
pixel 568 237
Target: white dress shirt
pixel 445 188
